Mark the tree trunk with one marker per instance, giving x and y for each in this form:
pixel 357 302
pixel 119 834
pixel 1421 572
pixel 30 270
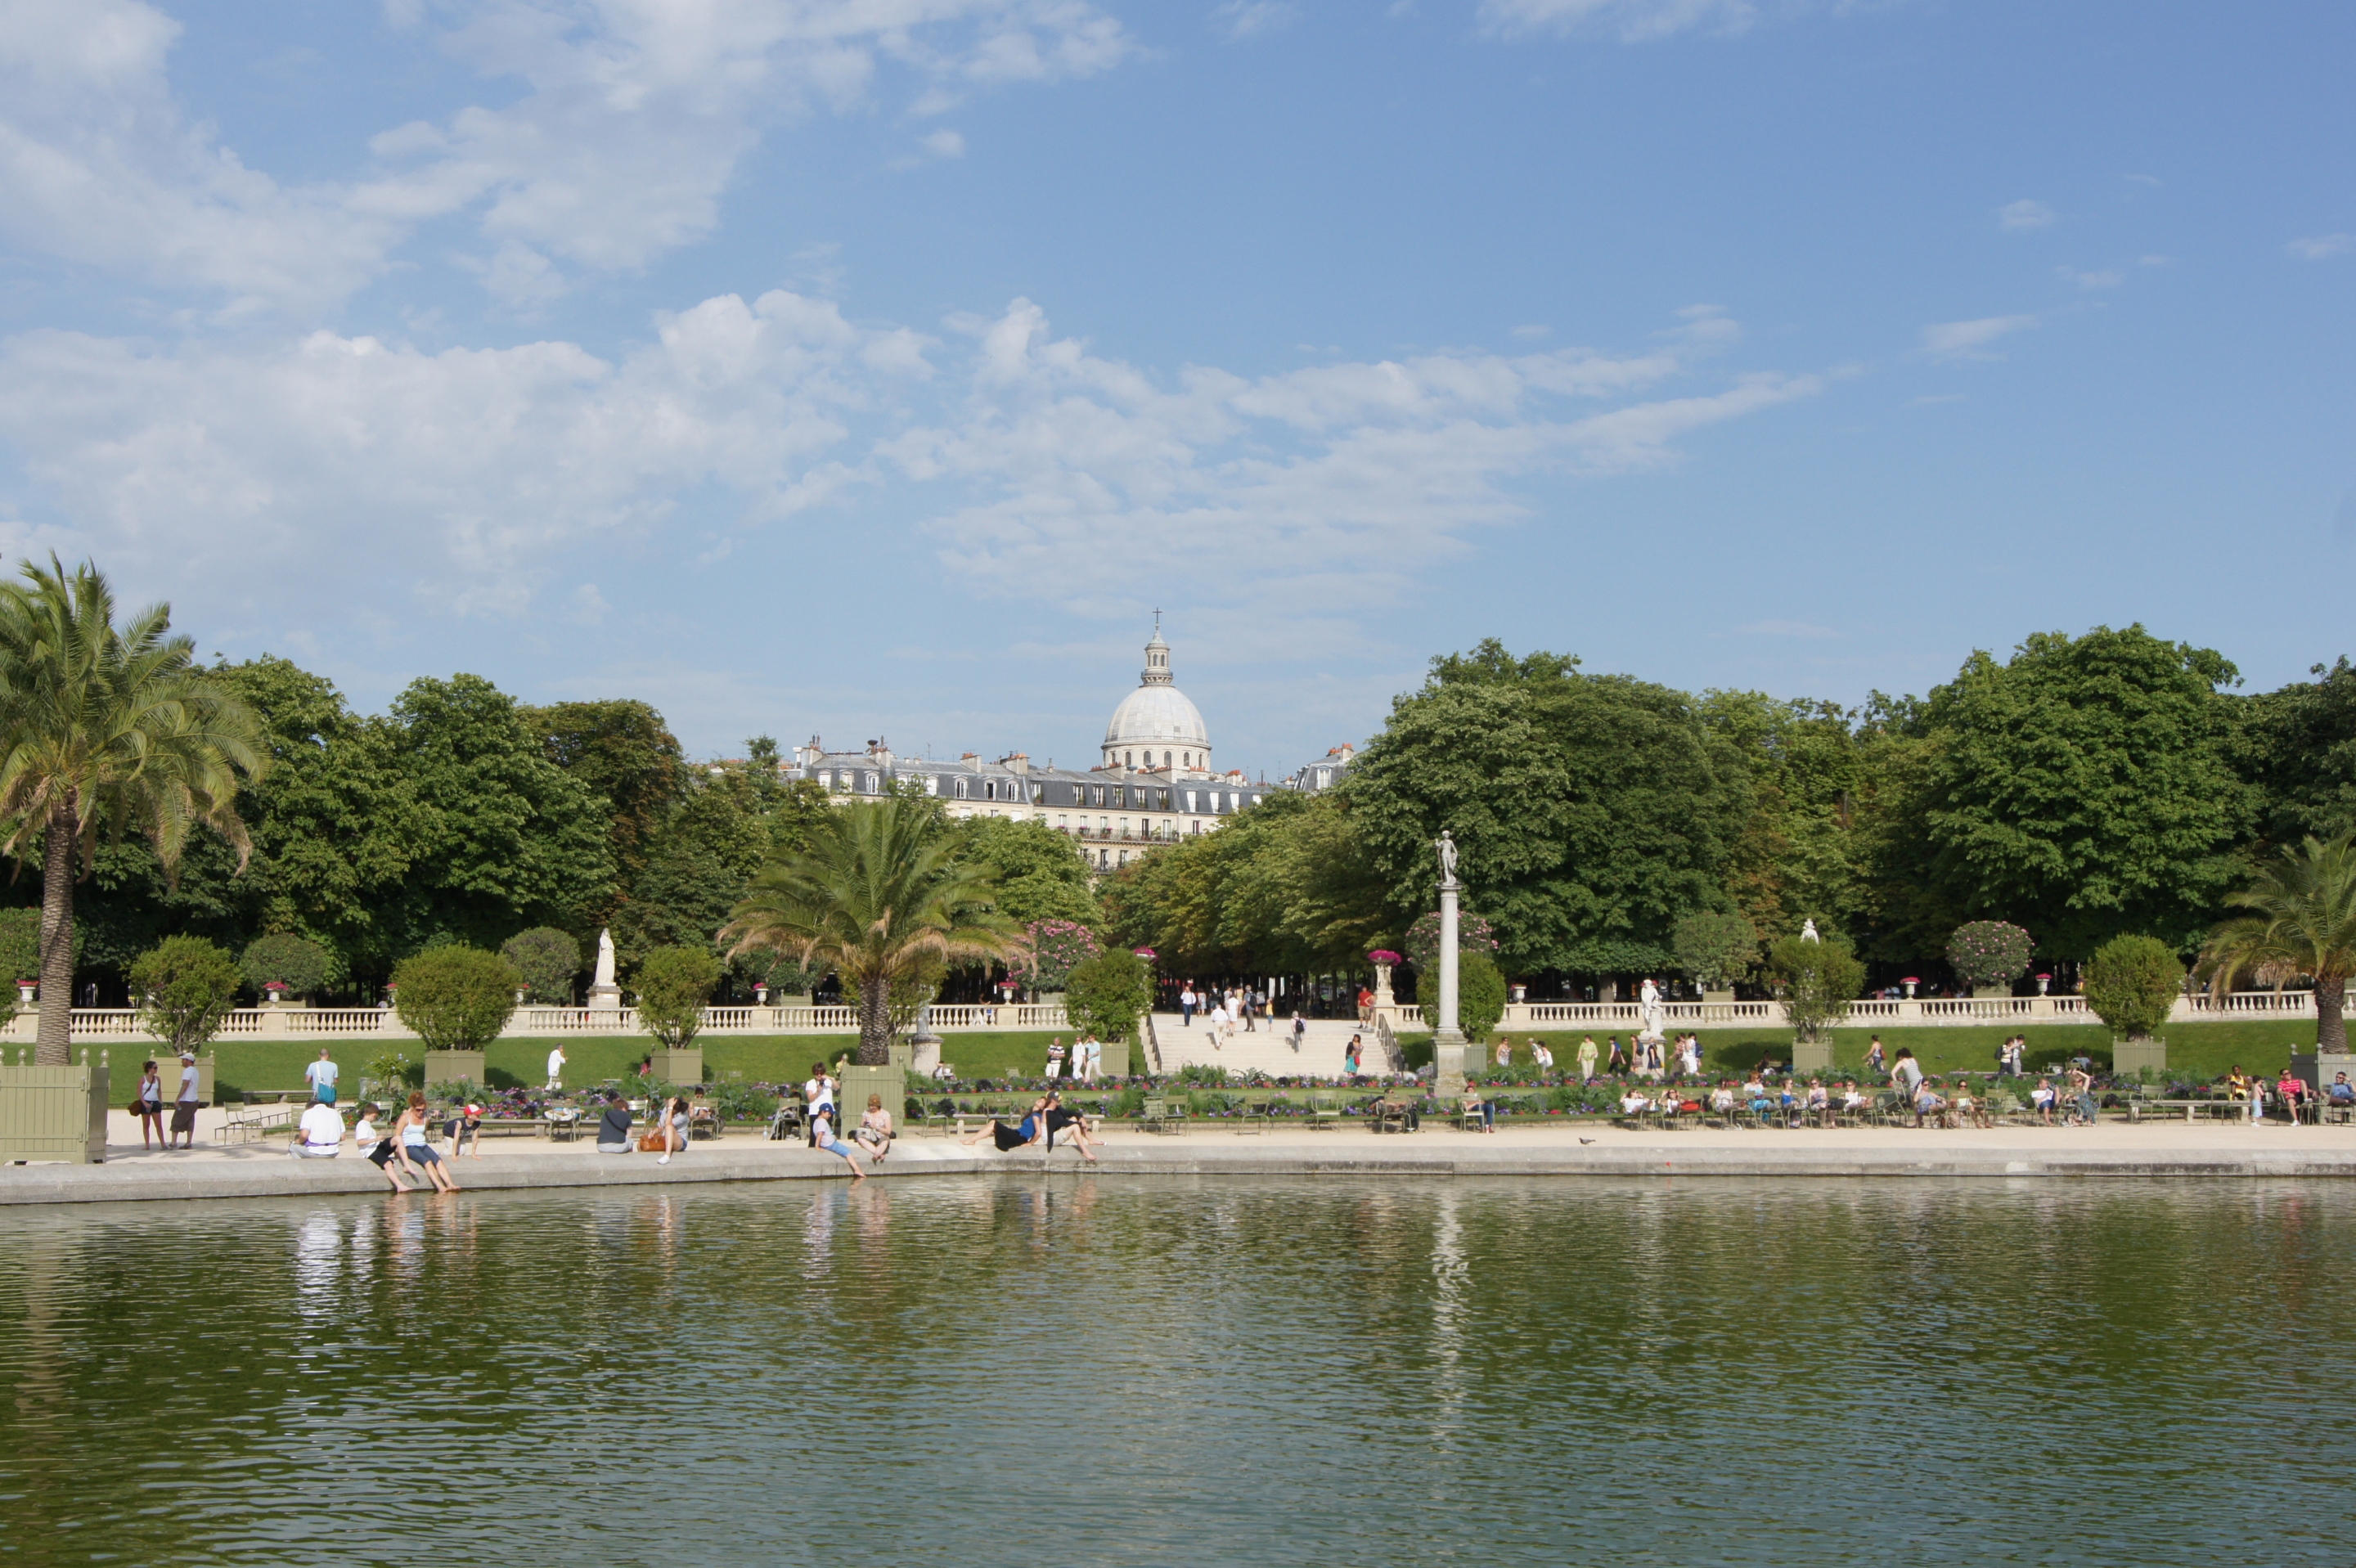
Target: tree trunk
pixel 874 1022
pixel 2330 1027
pixel 50 1045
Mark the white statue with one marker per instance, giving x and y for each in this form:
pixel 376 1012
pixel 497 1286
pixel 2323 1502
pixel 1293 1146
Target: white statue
pixel 1808 932
pixel 1447 848
pixel 605 959
pixel 1648 1007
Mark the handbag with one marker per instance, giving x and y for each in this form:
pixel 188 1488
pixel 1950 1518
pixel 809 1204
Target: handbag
pixel 650 1143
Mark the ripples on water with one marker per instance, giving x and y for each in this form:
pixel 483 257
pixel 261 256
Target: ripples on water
pixel 1158 1372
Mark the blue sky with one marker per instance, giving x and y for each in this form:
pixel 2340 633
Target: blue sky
pixel 876 366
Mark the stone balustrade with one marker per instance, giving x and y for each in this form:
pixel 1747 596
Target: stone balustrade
pixel 537 1023
pixel 2004 1011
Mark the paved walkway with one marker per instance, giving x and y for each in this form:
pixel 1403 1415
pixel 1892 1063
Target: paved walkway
pixel 2167 1149
pixel 1266 1048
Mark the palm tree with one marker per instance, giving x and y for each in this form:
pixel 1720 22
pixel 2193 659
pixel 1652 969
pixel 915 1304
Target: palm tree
pixel 880 897
pixel 2304 924
pixel 104 729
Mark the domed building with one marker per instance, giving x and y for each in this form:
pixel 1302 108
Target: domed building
pixel 1154 786
pixel 1156 728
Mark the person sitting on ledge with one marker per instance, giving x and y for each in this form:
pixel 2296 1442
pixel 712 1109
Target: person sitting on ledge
pixel 323 1132
pixel 1030 1129
pixel 1060 1120
pixel 614 1128
pixel 822 1138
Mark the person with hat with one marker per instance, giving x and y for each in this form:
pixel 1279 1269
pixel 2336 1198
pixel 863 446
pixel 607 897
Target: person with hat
pixel 184 1109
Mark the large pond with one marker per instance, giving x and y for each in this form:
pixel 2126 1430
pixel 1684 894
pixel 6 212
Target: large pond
pixel 1134 1372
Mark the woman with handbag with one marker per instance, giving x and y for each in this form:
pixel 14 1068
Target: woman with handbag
pixel 148 1105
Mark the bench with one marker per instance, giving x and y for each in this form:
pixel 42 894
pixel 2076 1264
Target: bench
pixel 1163 1115
pixel 1323 1111
pixel 1388 1115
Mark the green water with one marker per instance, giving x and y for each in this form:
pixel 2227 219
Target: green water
pixel 1123 1370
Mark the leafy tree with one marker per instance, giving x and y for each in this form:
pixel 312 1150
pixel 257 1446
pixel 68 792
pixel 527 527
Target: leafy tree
pixel 1987 952
pixel 673 984
pixel 187 986
pixel 1109 994
pixel 455 998
pixel 2087 787
pixel 548 959
pixel 2132 983
pixel 1052 949
pixel 2302 921
pixel 506 838
pixel 1816 980
pixel 20 948
pixel 299 964
pixel 1798 853
pixel 696 865
pixel 2301 753
pixel 1480 996
pixel 1041 874
pixel 1473 934
pixel 879 896
pixel 1589 812
pixel 103 728
pixel 1716 947
pixel 623 752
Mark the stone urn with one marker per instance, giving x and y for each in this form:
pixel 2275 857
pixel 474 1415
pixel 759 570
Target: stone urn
pixel 1909 983
pixel 2043 981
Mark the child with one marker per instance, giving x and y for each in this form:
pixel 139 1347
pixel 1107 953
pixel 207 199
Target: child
pixel 822 1137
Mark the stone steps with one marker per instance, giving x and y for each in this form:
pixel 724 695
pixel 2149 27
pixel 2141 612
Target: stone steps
pixel 1267 1049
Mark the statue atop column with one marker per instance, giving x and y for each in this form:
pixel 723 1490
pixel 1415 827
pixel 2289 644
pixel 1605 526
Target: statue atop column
pixel 1447 848
pixel 1648 1007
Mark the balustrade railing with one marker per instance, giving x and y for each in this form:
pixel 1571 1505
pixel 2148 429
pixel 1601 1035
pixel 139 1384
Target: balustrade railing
pixel 98 1024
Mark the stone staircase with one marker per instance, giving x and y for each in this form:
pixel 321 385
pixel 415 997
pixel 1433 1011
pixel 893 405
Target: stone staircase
pixel 1267 1048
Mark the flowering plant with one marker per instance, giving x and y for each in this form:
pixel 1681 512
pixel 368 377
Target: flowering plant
pixel 1147 954
pixel 1989 953
pixel 1384 955
pixel 1473 935
pixel 1052 950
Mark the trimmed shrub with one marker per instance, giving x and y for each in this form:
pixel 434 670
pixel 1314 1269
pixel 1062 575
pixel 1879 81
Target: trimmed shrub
pixel 673 984
pixel 1480 996
pixel 455 998
pixel 1988 953
pixel 1716 947
pixel 2132 983
pixel 548 959
pixel 299 964
pixel 1108 994
pixel 187 986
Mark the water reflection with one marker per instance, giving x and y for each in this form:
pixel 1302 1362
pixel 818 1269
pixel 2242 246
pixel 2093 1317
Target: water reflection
pixel 1181 1372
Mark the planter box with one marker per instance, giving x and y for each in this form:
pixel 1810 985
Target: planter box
pixel 1812 1056
pixel 55 1113
pixel 858 1082
pixel 684 1066
pixel 453 1067
pixel 2134 1055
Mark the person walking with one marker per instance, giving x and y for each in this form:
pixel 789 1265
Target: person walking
pixel 1187 1002
pixel 556 1069
pixel 321 1076
pixel 184 1107
pixel 1350 1055
pixel 148 1105
pixel 1615 1064
pixel 1587 1060
pixel 1873 1057
pixel 1301 1031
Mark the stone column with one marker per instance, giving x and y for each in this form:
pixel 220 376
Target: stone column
pixel 1447 1039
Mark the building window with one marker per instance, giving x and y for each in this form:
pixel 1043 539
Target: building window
pixel 871 784
pixel 1165 759
pixel 960 789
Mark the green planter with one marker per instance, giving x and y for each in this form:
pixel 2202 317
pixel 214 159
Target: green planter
pixel 684 1066
pixel 55 1113
pixel 453 1067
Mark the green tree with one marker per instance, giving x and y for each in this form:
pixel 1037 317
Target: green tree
pixel 1798 854
pixel 1109 994
pixel 2085 788
pixel 506 838
pixel 299 964
pixel 104 730
pixel 2301 754
pixel 186 988
pixel 548 959
pixel 1816 980
pixel 2301 921
pixel 1040 873
pixel 1716 947
pixel 2131 983
pixel 455 998
pixel 673 984
pixel 880 897
pixel 1480 996
pixel 623 752
pixel 696 865
pixel 1589 812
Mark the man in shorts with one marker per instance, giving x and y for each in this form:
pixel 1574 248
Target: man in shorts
pixel 184 1108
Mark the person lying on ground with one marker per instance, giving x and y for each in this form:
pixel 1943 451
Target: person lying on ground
pixel 1030 1129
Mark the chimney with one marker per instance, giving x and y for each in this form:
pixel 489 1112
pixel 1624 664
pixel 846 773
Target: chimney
pixel 1018 760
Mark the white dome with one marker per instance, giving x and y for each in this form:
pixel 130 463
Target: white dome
pixel 1160 715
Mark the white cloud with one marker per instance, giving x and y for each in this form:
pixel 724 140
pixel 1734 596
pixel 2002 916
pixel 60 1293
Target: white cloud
pixel 1045 470
pixel 632 119
pixel 2322 246
pixel 2024 214
pixel 1246 18
pixel 1969 339
pixel 2107 278
pixel 1633 21
pixel 944 145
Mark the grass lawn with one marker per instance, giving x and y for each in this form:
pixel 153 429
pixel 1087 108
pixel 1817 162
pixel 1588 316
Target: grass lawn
pixel 591 1059
pixel 2201 1051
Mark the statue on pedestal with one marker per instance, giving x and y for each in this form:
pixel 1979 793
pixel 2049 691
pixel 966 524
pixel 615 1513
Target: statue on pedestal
pixel 1808 932
pixel 602 992
pixel 1648 1007
pixel 1447 848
